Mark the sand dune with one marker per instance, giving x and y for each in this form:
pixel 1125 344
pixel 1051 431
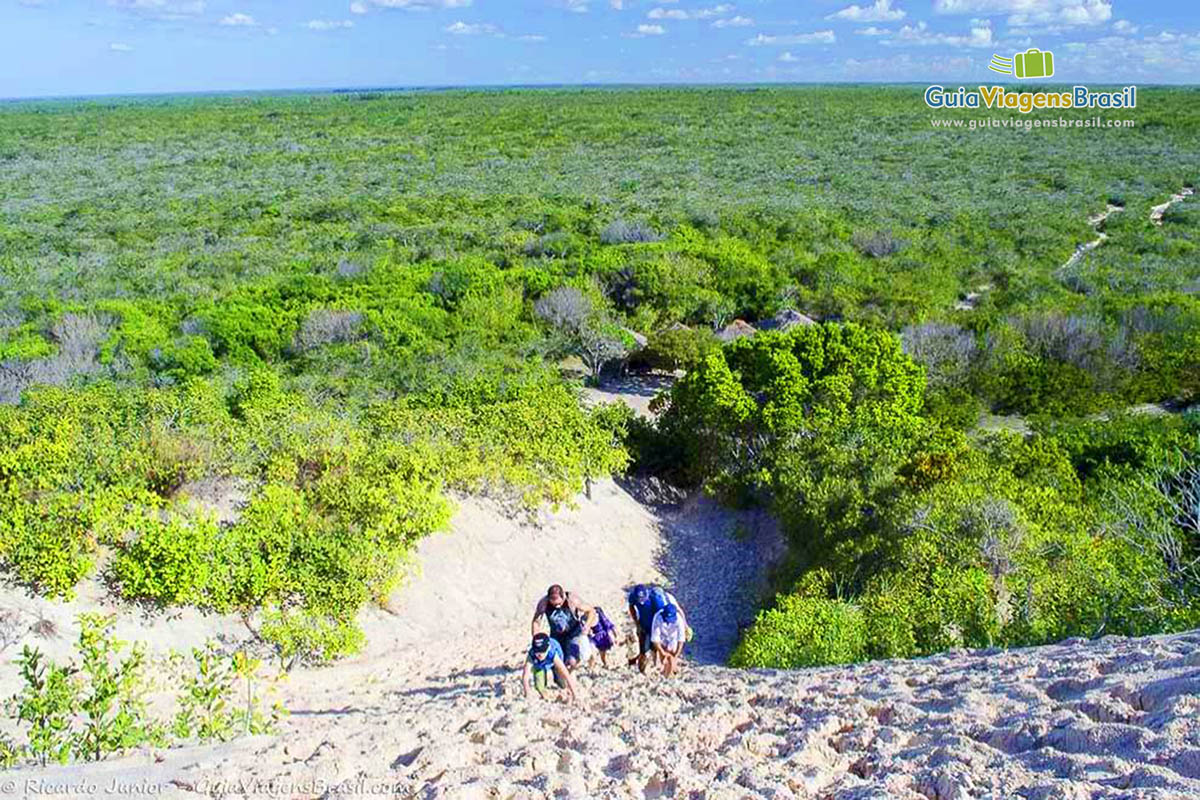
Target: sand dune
pixel 1117 718
pixel 430 712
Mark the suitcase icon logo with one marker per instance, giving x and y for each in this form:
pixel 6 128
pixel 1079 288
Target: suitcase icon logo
pixel 1033 63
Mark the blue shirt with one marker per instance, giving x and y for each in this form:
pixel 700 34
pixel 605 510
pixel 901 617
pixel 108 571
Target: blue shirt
pixel 655 603
pixel 547 661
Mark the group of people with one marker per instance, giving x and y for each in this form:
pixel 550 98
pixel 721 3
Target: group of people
pixel 579 631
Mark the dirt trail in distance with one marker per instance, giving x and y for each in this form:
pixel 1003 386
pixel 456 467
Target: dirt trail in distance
pixel 1096 221
pixel 1156 213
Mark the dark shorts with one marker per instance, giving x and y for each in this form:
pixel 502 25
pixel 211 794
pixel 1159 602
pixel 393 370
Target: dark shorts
pixel 644 645
pixel 570 646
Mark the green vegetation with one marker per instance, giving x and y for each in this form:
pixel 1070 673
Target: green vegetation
pixel 343 309
pixel 96 707
pixel 908 536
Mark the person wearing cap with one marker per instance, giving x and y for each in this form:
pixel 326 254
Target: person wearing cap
pixel 544 663
pixel 645 602
pixel 668 634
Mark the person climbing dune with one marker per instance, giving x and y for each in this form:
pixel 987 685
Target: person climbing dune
pixel 570 619
pixel 645 602
pixel 544 663
pixel 603 635
pixel 668 634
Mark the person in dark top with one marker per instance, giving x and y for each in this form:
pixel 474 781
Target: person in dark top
pixel 645 602
pixel 570 620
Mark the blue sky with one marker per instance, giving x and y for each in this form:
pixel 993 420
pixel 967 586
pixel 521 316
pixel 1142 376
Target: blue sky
pixel 69 47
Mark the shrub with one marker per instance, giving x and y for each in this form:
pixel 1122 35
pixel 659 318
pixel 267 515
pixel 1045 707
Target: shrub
pixel 1057 364
pixel 585 327
pixel 47 543
pixel 803 632
pixel 878 244
pixel 78 338
pixel 813 396
pixel 620 231
pixel 47 703
pixel 946 351
pixel 113 710
pixel 566 308
pixel 301 637
pixel 680 347
pixel 188 356
pixel 212 705
pixel 169 562
pixel 327 326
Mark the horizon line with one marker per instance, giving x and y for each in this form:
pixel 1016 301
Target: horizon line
pixel 434 88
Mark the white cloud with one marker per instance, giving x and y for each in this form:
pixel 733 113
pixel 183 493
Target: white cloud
pixel 871 30
pixel 733 22
pixel 32 3
pixel 120 47
pixel 576 6
pixel 787 57
pixel 1033 12
pixel 416 5
pixel 358 7
pixel 1171 36
pixel 699 13
pixel 879 11
pixel 531 37
pixel 817 37
pixel 617 5
pixel 1125 26
pixel 238 20
pixel 328 24
pixel 651 30
pixel 161 9
pixel 980 35
pixel 1172 57
pixel 461 28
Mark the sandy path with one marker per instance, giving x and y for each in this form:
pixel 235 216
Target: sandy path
pixel 971 299
pixel 1096 221
pixel 1156 213
pixel 634 390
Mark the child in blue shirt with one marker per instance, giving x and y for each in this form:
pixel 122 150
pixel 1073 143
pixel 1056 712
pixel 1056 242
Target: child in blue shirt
pixel 545 660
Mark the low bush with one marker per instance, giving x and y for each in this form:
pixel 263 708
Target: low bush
pixel 803 632
pixel 878 244
pixel 620 231
pixel 95 706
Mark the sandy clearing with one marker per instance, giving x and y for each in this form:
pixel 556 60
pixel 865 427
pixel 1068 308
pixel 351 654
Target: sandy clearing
pixel 1157 212
pixel 635 390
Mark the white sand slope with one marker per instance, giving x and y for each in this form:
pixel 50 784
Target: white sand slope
pixel 433 709
pixel 1118 718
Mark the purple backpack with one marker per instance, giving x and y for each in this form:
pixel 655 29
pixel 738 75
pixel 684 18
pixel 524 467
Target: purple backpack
pixel 603 632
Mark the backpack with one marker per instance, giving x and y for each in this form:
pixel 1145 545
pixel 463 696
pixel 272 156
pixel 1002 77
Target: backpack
pixel 657 601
